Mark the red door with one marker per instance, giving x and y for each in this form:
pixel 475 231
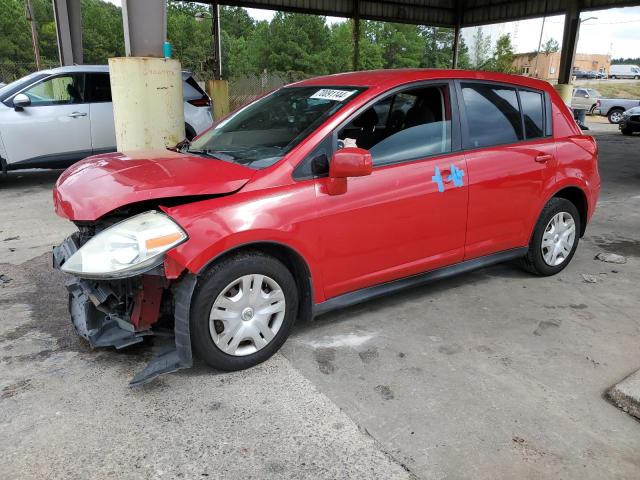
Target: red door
pixel 510 158
pixel 401 220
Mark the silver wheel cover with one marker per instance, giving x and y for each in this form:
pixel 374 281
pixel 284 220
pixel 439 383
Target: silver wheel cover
pixel 558 239
pixel 247 315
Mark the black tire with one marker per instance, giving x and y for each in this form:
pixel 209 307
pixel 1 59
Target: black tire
pixel 211 285
pixel 626 131
pixel 612 112
pixel 533 261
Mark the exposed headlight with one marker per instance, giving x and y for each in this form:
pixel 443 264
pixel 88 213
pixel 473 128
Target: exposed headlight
pixel 126 248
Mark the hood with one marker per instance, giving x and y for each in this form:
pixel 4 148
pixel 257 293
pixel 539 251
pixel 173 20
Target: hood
pixel 98 185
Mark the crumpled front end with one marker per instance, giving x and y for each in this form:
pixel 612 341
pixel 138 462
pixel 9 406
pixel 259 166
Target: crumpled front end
pixel 122 312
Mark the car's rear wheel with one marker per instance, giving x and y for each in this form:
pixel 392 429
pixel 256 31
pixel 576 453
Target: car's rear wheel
pixel 626 131
pixel 242 311
pixel 555 238
pixel 615 115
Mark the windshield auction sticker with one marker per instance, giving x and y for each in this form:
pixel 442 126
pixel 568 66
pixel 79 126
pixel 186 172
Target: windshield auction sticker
pixel 334 95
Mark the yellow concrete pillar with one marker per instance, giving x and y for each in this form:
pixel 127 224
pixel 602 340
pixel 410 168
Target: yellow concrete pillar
pixel 218 90
pixel 565 90
pixel 148 106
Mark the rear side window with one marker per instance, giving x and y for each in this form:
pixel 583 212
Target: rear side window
pixel 97 88
pixel 533 113
pixel 493 115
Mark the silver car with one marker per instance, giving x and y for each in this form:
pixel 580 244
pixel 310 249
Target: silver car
pixel 55 117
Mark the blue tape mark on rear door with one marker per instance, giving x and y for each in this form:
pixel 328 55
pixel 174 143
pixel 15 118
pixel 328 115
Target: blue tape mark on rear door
pixel 456 176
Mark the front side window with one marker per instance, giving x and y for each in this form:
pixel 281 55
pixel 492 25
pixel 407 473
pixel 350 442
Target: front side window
pixel 263 132
pixel 409 125
pixel 533 113
pixel 61 90
pixel 493 115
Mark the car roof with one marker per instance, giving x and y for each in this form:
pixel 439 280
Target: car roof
pixel 396 77
pixel 89 69
pixel 76 69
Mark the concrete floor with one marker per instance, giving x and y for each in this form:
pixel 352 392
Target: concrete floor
pixel 494 374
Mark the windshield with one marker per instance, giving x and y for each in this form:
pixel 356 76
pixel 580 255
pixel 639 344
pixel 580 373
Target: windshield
pixel 263 132
pixel 17 85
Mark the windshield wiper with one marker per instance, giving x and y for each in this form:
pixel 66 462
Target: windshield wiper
pixel 212 153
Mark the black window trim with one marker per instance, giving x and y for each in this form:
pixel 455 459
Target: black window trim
pixel 546 113
pixel 456 144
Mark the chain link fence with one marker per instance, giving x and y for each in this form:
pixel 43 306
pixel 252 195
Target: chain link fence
pixel 13 71
pixel 245 88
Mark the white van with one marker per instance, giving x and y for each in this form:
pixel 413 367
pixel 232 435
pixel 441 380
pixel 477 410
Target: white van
pixel 624 71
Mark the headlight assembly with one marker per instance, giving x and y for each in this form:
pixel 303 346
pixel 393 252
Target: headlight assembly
pixel 127 248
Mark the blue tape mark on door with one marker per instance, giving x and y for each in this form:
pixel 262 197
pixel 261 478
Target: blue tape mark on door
pixel 456 176
pixel 438 179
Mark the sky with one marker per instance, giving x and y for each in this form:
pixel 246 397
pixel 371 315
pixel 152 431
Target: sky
pixel 615 32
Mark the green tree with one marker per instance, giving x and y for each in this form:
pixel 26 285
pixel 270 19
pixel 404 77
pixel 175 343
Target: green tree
pixel 481 48
pixel 102 31
pixel 464 59
pixel 438 47
pixel 401 44
pixel 551 46
pixel 191 39
pixel 503 56
pixel 371 52
pixel 236 21
pixel 15 40
pixel 298 43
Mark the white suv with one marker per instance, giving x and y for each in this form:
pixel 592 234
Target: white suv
pixel 52 118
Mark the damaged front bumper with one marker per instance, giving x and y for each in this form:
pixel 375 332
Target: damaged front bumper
pixel 120 313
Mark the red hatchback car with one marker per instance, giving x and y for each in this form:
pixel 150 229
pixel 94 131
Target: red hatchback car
pixel 320 195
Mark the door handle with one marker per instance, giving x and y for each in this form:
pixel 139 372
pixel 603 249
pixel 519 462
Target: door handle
pixel 77 114
pixel 446 176
pixel 543 157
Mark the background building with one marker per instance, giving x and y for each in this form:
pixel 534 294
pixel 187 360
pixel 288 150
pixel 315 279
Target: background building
pixel 546 65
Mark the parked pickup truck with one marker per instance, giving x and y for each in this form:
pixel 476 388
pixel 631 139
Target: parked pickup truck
pixel 612 108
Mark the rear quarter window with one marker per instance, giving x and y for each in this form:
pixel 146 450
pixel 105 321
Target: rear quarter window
pixel 533 113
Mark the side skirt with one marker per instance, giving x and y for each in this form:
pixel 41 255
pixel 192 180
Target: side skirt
pixel 359 296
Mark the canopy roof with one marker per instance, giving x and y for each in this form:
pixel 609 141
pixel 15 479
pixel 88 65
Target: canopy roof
pixel 443 13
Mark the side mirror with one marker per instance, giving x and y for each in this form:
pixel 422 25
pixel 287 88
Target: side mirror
pixel 350 162
pixel 20 101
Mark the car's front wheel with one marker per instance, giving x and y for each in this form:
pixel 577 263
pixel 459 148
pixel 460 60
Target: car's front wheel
pixel 626 131
pixel 555 238
pixel 242 311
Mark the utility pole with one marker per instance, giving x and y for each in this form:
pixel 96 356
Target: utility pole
pixel 34 33
pixel 215 35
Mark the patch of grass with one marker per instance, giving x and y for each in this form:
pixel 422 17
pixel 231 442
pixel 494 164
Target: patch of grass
pixel 615 89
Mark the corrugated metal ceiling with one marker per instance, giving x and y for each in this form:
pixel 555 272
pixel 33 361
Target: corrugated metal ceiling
pixel 432 12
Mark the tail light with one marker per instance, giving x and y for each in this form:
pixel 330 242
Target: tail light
pixel 200 102
pixel 598 103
